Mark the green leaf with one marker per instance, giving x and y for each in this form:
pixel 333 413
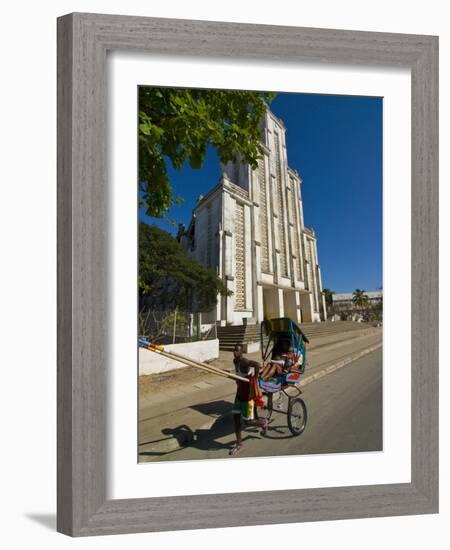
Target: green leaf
pixel 179 124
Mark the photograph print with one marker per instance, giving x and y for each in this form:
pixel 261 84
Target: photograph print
pixel 260 299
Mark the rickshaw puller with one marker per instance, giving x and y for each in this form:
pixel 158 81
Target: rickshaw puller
pixel 244 403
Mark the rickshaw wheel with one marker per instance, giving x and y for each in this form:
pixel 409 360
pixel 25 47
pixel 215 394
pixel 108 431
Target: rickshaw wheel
pixel 266 412
pixel 297 416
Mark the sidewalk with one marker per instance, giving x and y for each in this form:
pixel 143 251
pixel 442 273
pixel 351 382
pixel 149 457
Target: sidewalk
pixel 174 407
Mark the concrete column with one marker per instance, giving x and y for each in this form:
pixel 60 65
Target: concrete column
pixel 228 212
pixel 228 274
pixel 257 271
pixel 228 254
pixel 221 256
pixel 324 305
pixel 258 302
pixel 248 244
pixel 259 313
pixel 273 302
pixel 321 296
pixel 230 301
pixel 229 205
pixel 319 274
pixel 297 307
pixel 306 303
pixel 292 305
pixel 254 191
pixel 280 303
pixel 255 223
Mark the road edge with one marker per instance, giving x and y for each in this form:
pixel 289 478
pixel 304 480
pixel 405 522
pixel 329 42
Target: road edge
pixel 338 365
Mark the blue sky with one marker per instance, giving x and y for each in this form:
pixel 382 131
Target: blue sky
pixel 335 143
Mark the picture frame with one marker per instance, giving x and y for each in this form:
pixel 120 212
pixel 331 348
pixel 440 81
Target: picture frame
pixel 83 40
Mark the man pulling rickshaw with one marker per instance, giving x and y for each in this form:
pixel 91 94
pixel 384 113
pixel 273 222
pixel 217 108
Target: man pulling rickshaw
pixel 283 351
pixel 247 397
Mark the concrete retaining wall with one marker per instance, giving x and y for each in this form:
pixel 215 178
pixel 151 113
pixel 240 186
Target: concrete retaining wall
pixel 152 363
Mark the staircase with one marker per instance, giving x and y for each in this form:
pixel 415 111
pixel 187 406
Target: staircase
pixel 231 335
pixel 328 328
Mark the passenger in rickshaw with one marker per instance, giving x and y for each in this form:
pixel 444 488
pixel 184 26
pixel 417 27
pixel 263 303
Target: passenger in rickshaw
pixel 283 361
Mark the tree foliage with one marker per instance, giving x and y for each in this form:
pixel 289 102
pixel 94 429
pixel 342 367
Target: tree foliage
pixel 328 294
pixel 179 124
pixel 328 297
pixel 169 278
pixel 360 298
pixel 377 309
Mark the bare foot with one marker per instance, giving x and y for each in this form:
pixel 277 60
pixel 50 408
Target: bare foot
pixel 265 427
pixel 235 449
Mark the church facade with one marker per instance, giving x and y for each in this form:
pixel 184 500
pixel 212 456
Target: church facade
pixel 249 229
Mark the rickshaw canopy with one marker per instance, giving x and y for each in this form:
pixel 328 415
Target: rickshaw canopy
pixel 279 332
pixel 283 325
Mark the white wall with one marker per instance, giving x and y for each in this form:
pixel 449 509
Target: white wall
pixel 28 232
pixel 152 363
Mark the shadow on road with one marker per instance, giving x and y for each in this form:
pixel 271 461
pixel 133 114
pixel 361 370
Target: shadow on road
pixel 278 428
pixel 209 439
pixel 201 439
pixel 213 408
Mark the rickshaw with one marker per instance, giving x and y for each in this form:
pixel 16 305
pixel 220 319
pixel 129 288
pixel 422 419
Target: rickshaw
pixel 283 342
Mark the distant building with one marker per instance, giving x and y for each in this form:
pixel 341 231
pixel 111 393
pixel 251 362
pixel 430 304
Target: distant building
pixel 346 299
pixel 343 305
pixel 249 228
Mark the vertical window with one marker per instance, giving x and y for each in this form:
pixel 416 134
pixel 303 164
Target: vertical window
pixel 209 238
pixel 281 214
pixel 296 229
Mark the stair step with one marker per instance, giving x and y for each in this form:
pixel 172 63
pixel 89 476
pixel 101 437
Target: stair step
pixel 231 335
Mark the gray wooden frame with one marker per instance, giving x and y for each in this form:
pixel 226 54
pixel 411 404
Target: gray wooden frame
pixel 83 40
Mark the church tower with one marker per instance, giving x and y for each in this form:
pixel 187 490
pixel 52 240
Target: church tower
pixel 250 229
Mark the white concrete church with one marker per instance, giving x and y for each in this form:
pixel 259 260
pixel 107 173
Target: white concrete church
pixel 249 228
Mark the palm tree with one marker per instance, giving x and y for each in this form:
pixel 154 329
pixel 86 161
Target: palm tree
pixel 360 298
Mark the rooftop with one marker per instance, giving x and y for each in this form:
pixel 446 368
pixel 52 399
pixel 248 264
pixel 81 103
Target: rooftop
pixel 346 296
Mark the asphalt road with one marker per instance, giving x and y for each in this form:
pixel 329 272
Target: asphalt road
pixel 344 415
